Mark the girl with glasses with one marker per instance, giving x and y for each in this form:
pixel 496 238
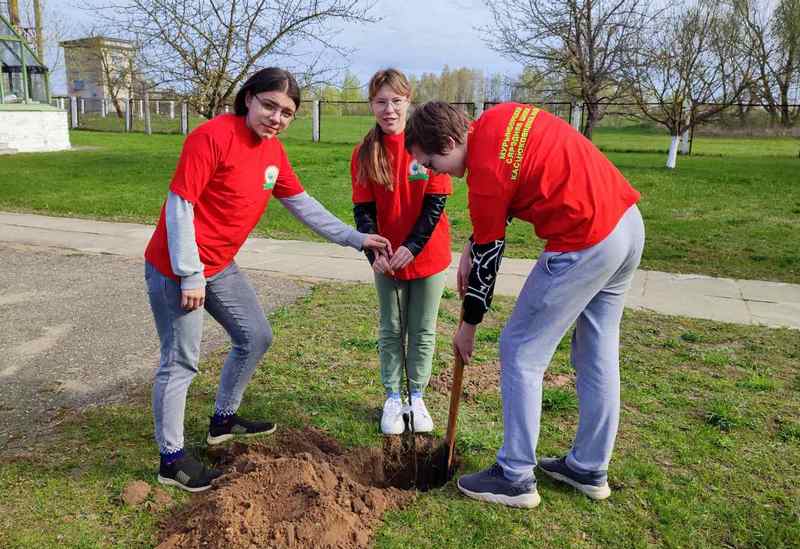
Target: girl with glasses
pixel 395 196
pixel 228 170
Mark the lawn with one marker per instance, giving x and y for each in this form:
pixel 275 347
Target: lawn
pixel 707 454
pixel 732 209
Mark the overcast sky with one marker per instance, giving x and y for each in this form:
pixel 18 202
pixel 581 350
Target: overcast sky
pixel 414 35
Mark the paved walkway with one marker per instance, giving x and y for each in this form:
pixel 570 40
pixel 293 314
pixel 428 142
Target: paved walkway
pixel 739 301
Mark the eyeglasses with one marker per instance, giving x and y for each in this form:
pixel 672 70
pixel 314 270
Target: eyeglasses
pixel 396 103
pixel 270 108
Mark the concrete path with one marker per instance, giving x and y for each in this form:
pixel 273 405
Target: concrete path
pixel 773 304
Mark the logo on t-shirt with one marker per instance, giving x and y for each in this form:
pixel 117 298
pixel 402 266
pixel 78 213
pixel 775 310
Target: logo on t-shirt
pixel 270 177
pixel 417 172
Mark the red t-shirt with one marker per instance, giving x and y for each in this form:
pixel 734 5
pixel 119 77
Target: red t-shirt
pixel 399 209
pixel 529 164
pixel 229 174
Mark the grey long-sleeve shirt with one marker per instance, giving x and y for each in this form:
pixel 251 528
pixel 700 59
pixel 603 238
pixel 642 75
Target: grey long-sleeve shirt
pixel 185 257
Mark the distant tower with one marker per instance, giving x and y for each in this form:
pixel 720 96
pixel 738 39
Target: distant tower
pixel 99 68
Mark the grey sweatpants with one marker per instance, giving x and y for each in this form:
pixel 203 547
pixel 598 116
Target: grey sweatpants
pixel 587 288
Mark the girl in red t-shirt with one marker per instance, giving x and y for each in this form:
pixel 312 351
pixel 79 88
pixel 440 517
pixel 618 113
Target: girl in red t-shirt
pixel 229 169
pixel 394 196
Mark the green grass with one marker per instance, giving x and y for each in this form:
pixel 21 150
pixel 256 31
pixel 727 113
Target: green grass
pixel 703 458
pixel 732 209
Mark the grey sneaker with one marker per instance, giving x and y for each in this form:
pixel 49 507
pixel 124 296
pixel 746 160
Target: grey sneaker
pixel 593 484
pixel 492 486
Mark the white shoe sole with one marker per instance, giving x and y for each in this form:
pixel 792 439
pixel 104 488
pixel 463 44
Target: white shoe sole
pixel 211 441
pixel 525 501
pixel 593 492
pixel 173 482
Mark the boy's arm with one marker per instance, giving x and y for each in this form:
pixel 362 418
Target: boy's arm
pixel 485 264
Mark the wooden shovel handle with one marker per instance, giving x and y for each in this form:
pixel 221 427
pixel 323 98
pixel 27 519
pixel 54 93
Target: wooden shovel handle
pixel 455 400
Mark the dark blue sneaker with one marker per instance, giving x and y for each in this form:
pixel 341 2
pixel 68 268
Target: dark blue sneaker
pixel 593 484
pixel 492 486
pixel 236 426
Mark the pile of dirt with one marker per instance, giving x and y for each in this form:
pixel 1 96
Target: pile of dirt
pixel 303 490
pixel 485 379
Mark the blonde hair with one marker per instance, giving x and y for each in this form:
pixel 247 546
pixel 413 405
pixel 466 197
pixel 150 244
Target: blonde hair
pixel 373 162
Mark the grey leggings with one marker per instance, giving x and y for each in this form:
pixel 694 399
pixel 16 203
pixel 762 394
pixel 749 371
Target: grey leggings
pixel 419 299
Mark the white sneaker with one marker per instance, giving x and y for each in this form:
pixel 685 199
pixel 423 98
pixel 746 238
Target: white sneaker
pixel 423 422
pixel 392 419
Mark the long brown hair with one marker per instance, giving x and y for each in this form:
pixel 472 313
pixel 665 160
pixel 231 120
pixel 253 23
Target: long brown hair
pixel 373 162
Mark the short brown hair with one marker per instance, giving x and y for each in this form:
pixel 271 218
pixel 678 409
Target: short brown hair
pixel 431 124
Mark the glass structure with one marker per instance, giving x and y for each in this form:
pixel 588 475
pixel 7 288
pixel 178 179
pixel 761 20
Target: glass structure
pixel 23 77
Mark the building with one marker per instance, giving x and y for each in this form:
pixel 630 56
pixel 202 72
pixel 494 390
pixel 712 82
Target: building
pixel 27 120
pixel 99 69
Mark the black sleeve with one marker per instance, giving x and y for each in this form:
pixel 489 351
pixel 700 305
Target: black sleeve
pixel 366 218
pixel 432 208
pixel 485 265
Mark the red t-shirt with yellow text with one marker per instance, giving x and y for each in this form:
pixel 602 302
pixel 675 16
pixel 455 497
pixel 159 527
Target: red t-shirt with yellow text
pixel 399 209
pixel 529 164
pixel 229 174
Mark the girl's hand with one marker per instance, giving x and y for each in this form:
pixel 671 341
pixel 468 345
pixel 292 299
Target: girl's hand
pixel 378 243
pixel 381 264
pixel 193 299
pixel 402 257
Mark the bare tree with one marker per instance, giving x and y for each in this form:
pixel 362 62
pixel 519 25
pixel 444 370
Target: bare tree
pixel 207 48
pixel 690 71
pixel 585 42
pixel 773 32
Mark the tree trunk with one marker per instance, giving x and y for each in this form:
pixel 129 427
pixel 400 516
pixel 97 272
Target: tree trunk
pixel 786 117
pixel 117 107
pixel 673 152
pixel 590 120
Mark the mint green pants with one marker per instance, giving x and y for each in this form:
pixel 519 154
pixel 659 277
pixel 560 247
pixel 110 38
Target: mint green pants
pixel 419 300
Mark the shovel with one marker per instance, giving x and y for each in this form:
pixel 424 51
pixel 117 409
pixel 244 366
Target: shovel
pixel 452 415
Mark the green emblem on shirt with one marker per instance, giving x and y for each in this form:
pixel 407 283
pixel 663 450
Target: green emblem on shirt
pixel 417 172
pixel 270 177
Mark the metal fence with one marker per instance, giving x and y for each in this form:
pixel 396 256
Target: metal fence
pixel 622 128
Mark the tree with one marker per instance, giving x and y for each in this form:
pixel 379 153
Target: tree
pixel 584 42
pixel 691 70
pixel 207 48
pixel 773 32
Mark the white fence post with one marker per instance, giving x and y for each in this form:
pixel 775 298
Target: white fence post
pixel 73 108
pixel 83 105
pixel 184 118
pixel 315 111
pixel 172 110
pixel 577 115
pixel 141 108
pixel 158 108
pixel 148 129
pixel 684 149
pixel 128 114
pixel 479 106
